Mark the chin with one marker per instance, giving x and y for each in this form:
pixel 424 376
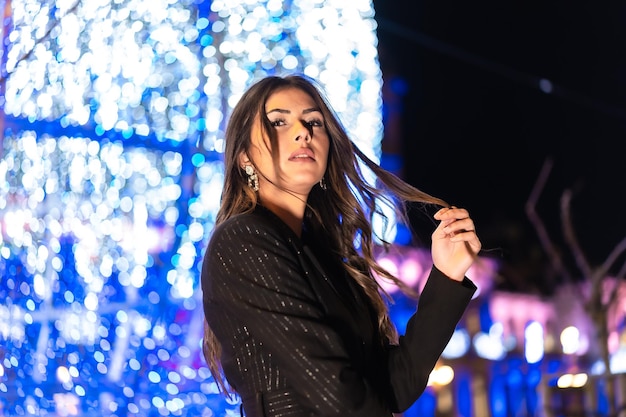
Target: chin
pixel 302 189
pixel 304 183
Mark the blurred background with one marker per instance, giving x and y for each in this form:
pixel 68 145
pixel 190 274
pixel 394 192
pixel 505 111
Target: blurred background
pixel 489 91
pixel 111 133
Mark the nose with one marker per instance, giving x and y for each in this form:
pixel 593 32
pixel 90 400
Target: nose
pixel 305 131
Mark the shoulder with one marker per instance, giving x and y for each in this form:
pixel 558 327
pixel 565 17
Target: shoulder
pixel 259 232
pixel 254 226
pixel 248 246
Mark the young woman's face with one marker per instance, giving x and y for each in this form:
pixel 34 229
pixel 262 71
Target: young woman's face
pixel 303 144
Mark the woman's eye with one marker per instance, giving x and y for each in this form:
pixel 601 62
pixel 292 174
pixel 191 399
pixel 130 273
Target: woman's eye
pixel 309 123
pixel 277 122
pixel 314 123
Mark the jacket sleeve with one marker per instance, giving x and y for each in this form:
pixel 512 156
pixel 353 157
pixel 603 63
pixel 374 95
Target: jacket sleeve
pixel 251 272
pixel 441 305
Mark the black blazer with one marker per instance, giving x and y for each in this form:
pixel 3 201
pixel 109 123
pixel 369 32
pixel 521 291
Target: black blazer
pixel 299 339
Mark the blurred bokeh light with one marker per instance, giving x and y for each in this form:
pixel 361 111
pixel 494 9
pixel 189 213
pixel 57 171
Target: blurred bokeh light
pixel 110 176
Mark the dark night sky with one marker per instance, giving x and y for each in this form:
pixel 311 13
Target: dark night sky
pixel 476 128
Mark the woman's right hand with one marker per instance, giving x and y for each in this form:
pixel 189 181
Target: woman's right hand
pixel 455 244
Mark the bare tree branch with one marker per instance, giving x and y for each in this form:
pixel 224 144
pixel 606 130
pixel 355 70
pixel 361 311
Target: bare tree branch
pixel 570 235
pixel 619 249
pixel 610 260
pixel 603 293
pixel 542 233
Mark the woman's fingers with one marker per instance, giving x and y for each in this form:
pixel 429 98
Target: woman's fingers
pixel 457 225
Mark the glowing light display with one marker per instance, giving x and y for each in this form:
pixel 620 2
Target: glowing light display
pixel 110 176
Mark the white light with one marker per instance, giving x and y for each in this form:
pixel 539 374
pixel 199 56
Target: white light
pixel 618 361
pixel 63 374
pixel 533 348
pixel 458 345
pixel 91 301
pixel 490 346
pixel 570 340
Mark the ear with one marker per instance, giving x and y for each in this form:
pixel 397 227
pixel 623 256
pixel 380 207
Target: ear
pixel 243 159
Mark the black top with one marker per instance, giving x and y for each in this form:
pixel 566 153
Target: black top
pixel 299 338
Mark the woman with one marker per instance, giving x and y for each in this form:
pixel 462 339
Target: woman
pixel 296 321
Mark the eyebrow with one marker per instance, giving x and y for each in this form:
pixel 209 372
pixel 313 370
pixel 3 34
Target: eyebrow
pixel 285 111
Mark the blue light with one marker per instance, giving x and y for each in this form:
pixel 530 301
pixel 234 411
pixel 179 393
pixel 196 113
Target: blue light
pixel 197 159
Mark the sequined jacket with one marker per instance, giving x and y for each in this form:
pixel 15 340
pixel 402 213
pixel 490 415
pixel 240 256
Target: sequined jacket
pixel 298 339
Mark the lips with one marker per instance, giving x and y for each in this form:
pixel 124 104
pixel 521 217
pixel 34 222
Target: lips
pixel 303 153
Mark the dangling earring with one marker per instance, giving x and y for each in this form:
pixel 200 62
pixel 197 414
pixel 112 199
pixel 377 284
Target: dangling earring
pixel 253 180
pixel 323 183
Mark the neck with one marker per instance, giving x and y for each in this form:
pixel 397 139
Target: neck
pixel 289 208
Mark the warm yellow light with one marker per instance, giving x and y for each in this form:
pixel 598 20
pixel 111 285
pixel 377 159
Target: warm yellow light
pixel 579 380
pixel 441 376
pixel 572 380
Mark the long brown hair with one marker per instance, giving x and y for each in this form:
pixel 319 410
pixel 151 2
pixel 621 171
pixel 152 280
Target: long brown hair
pixel 344 211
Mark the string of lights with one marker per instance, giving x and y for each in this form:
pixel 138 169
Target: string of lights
pixel 110 176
